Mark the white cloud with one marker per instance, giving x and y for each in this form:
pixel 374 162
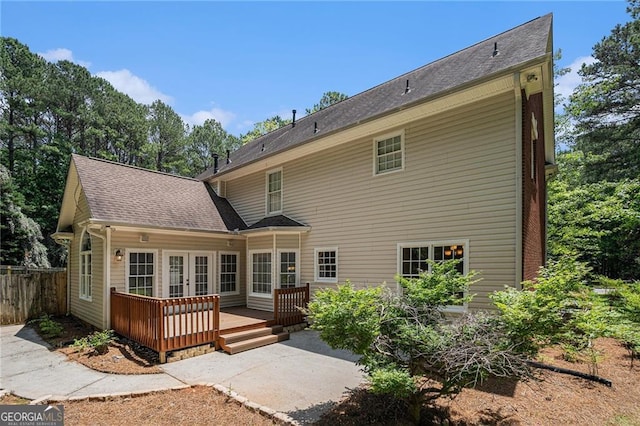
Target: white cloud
pixel 139 89
pixel 221 116
pixel 55 55
pixel 568 82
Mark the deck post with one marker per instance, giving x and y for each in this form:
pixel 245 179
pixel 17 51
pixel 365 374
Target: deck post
pixel 306 295
pixel 163 357
pixel 276 306
pixel 216 319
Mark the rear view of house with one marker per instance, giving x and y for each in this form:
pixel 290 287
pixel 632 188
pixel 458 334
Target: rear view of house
pixel 448 161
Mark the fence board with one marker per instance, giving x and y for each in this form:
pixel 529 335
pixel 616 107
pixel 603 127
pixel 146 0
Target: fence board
pixel 27 296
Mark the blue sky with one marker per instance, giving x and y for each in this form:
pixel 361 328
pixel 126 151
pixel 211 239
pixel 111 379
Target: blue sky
pixel 241 62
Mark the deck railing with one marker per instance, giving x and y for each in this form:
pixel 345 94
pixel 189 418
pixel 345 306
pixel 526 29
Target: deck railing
pixel 166 324
pixel 287 305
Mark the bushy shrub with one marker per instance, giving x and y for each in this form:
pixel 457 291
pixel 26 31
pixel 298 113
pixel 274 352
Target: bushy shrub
pixel 98 341
pixel 558 307
pixel 405 338
pixel 48 327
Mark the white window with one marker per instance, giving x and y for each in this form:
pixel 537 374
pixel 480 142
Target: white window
pixel 261 273
pixel 412 257
pixel 288 269
pixel 274 192
pixel 229 272
pixel 141 272
pixel 388 153
pixel 326 265
pixel 85 266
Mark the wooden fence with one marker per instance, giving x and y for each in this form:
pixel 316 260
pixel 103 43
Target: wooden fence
pixel 287 305
pixel 29 295
pixel 166 324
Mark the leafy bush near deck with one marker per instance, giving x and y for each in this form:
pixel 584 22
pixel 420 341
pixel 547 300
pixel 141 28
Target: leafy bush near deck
pixel 403 339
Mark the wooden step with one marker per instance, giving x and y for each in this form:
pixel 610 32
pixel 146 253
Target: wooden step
pixel 249 334
pixel 255 342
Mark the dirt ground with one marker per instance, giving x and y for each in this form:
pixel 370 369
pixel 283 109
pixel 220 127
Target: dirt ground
pixel 550 399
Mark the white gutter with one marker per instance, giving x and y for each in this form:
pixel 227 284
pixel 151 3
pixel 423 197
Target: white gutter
pixel 518 161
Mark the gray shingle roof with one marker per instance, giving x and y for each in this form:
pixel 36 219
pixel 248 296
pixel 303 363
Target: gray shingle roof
pixel 276 221
pixel 118 193
pixel 517 46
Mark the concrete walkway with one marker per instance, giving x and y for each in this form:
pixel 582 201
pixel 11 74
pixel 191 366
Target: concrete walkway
pixel 301 377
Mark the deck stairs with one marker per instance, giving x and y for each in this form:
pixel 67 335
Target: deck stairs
pixel 258 335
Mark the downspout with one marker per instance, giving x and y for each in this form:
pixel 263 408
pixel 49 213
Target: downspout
pixel 106 297
pixel 105 264
pixel 518 162
pixel 67 244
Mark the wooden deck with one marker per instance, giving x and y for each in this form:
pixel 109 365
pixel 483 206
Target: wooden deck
pixel 239 318
pixel 171 324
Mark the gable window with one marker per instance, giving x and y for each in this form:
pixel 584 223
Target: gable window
pixel 288 269
pixel 228 272
pixel 388 153
pixel 85 266
pixel 141 272
pixel 326 265
pixel 274 192
pixel 413 257
pixel 261 273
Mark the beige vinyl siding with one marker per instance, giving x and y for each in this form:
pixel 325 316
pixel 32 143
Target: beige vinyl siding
pixel 287 241
pixel 160 243
pixel 89 311
pixel 458 183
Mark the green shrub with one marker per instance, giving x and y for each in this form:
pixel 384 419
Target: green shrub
pixel 558 307
pixel 48 327
pixel 98 341
pixel 404 338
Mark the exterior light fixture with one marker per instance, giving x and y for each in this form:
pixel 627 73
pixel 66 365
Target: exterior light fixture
pixel 119 255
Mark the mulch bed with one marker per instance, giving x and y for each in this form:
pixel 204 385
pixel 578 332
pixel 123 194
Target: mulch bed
pixel 123 356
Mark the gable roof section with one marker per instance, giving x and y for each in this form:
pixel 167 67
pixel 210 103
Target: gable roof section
pixel 517 47
pixel 127 195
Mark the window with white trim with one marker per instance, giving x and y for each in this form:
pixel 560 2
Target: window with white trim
pixel 288 269
pixel 141 272
pixel 326 265
pixel 85 266
pixel 413 257
pixel 413 261
pixel 274 192
pixel 261 273
pixel 228 272
pixel 389 153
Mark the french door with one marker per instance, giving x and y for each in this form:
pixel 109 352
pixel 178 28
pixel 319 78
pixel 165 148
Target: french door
pixel 187 274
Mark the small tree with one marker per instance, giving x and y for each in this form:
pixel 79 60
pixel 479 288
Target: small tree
pixel 405 339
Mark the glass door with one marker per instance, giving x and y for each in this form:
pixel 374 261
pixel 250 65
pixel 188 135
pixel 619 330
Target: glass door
pixel 188 274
